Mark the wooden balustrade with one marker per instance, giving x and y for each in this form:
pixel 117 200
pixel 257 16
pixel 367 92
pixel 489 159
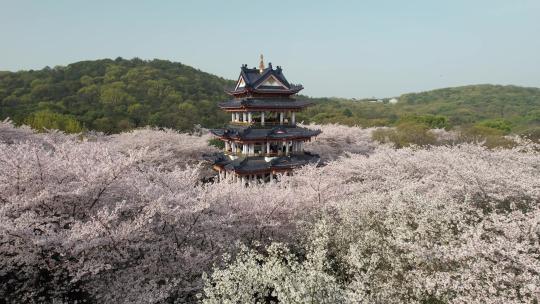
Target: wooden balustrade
pixel 259 124
pixel 271 154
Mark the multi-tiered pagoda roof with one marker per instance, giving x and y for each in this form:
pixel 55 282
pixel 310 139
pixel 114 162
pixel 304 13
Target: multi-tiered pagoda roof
pixel 261 164
pixel 265 81
pixel 262 139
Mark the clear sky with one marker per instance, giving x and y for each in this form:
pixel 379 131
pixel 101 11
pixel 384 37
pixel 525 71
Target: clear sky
pixel 334 48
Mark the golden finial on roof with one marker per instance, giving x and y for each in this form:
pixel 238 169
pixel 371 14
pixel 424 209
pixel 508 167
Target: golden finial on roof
pixel 261 64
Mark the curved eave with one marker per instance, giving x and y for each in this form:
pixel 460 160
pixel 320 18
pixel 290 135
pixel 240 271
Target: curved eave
pixel 258 139
pixel 269 105
pixel 218 132
pixel 257 165
pixel 248 90
pixel 222 134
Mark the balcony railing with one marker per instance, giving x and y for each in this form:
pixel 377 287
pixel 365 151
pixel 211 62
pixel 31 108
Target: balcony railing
pixel 266 123
pixel 271 154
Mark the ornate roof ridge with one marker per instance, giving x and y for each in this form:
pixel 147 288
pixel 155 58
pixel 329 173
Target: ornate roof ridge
pixel 254 77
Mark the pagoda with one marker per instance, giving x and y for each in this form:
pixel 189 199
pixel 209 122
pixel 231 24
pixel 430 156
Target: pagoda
pixel 262 139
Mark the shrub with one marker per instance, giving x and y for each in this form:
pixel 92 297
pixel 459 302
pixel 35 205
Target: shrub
pixel 532 134
pixel 405 134
pixel 216 143
pixel 489 137
pixel 44 120
pixel 498 124
pixel 430 121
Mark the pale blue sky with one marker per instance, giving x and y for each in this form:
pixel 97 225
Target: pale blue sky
pixel 334 48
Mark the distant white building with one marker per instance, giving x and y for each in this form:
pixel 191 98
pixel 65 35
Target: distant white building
pixel 393 100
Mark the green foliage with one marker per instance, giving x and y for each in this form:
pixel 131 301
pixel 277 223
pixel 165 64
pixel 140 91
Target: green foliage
pixel 490 137
pixel 405 134
pixel 113 96
pixel 347 112
pixel 117 95
pixel 442 108
pixel 419 134
pixel 217 143
pixel 532 134
pixel 48 120
pixel 498 124
pixel 431 121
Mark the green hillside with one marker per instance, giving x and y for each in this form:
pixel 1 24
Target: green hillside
pixel 115 95
pixel 513 107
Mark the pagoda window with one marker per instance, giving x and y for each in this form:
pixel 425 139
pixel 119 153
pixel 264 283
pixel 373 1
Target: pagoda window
pixel 271 148
pixel 272 118
pixel 278 148
pixel 258 148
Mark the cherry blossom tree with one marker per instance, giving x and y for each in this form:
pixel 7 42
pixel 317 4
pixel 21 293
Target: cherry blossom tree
pixel 453 224
pixel 127 218
pixel 336 140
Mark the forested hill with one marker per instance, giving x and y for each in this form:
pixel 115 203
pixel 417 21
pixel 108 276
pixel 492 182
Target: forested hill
pixel 508 108
pixel 113 95
pixel 116 95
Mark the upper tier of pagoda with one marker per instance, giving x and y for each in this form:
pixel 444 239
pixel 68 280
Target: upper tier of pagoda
pixel 263 82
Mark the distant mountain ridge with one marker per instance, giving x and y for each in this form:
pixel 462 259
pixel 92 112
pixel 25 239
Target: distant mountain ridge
pixel 116 95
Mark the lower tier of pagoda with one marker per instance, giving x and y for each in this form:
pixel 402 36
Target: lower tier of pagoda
pixel 260 165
